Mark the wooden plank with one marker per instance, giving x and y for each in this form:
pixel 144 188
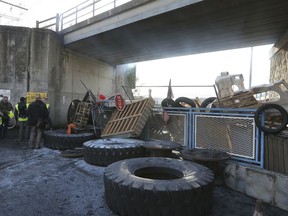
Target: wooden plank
pixel 127 117
pixel 129 124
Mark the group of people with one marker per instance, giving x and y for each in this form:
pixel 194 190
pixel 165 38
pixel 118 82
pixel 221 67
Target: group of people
pixel 32 119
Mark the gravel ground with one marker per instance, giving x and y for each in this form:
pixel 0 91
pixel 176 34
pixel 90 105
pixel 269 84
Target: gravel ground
pixel 42 182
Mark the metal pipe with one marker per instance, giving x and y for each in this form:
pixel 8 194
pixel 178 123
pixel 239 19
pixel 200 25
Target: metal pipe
pixel 251 67
pixel 174 86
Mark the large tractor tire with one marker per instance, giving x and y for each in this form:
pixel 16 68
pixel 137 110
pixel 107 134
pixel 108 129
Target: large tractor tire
pixel 156 186
pixel 58 139
pixel 103 152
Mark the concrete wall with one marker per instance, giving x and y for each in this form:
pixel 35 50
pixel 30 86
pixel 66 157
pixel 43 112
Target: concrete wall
pixel 14 58
pixel 35 60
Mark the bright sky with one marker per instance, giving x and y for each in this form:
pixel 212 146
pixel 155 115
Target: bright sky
pixel 202 69
pixel 37 10
pixel 43 9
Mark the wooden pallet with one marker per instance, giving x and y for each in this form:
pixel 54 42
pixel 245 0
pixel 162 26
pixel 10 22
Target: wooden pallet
pixel 82 114
pixel 129 122
pixel 245 99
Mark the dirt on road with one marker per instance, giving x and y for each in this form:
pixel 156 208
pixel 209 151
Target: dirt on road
pixel 43 183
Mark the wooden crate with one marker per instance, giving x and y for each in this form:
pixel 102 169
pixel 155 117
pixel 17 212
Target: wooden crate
pixel 129 122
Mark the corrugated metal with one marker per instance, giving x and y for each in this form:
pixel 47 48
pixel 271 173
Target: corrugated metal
pixel 211 25
pixel 276 152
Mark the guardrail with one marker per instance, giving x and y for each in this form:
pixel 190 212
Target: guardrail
pixel 83 11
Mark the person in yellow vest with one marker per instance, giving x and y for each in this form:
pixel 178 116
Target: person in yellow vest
pixel 22 118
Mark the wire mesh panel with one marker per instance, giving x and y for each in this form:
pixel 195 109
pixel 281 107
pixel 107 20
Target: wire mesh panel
pixel 235 135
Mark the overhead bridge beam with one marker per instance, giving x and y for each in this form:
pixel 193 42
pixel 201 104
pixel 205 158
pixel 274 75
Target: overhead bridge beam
pixel 126 14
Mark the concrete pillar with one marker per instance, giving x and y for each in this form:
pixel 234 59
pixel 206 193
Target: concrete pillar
pixel 36 60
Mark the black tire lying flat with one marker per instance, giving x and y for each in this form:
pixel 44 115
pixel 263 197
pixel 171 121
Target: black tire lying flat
pixel 58 139
pixel 156 186
pixel 103 152
pixel 184 102
pixel 283 118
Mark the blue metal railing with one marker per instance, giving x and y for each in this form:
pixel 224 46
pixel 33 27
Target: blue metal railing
pixel 83 11
pixel 254 152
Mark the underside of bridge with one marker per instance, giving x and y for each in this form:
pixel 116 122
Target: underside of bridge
pixel 206 26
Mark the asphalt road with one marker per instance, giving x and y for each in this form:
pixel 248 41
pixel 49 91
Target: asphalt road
pixel 43 183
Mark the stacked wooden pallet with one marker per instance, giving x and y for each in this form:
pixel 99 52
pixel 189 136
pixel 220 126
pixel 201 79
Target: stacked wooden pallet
pixel 129 122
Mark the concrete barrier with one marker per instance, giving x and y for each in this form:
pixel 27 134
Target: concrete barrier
pixel 270 187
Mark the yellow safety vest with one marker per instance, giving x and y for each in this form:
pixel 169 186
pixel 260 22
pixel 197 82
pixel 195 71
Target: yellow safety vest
pixel 20 118
pixel 11 114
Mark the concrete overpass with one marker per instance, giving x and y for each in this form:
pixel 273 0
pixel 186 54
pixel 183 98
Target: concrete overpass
pixel 143 30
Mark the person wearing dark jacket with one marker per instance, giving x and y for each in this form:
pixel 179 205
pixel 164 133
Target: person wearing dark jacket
pixel 37 118
pixel 5 108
